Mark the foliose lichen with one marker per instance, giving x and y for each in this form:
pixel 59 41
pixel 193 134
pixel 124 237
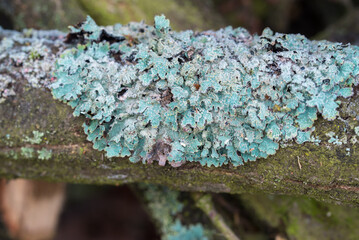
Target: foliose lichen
pixel 214 97
pixel 192 232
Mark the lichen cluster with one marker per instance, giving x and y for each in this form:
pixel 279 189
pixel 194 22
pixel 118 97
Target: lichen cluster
pixel 214 97
pixel 29 152
pixel 28 55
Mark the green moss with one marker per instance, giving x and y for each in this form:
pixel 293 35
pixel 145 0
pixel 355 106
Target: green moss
pixel 304 218
pixel 34 55
pixel 67 165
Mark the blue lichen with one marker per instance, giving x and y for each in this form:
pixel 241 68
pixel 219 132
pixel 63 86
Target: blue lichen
pixel 214 97
pixel 335 140
pixel 192 232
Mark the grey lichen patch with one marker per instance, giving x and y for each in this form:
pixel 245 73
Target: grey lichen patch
pixel 214 97
pixel 35 139
pixel 27 152
pixel 28 55
pixel 44 154
pixel 334 139
pixel 6 82
pixel 353 140
pixel 6 87
pixel 315 139
pixel 356 129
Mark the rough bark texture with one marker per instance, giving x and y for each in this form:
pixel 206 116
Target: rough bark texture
pixel 326 171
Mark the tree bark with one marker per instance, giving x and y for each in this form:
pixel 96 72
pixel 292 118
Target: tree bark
pixel 326 171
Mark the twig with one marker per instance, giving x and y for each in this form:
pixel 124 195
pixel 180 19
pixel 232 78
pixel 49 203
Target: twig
pixel 205 203
pixel 300 165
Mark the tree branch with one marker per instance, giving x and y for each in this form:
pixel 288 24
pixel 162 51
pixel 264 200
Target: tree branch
pixel 326 172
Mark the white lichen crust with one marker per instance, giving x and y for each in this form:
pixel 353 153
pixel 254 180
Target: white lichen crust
pixel 29 55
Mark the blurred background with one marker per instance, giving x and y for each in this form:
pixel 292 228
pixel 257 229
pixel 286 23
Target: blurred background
pixel 84 212
pixel 313 18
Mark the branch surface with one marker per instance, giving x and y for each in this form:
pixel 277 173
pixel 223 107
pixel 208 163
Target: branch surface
pixel 39 138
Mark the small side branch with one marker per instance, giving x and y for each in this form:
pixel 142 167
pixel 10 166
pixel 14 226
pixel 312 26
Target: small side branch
pixel 205 203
